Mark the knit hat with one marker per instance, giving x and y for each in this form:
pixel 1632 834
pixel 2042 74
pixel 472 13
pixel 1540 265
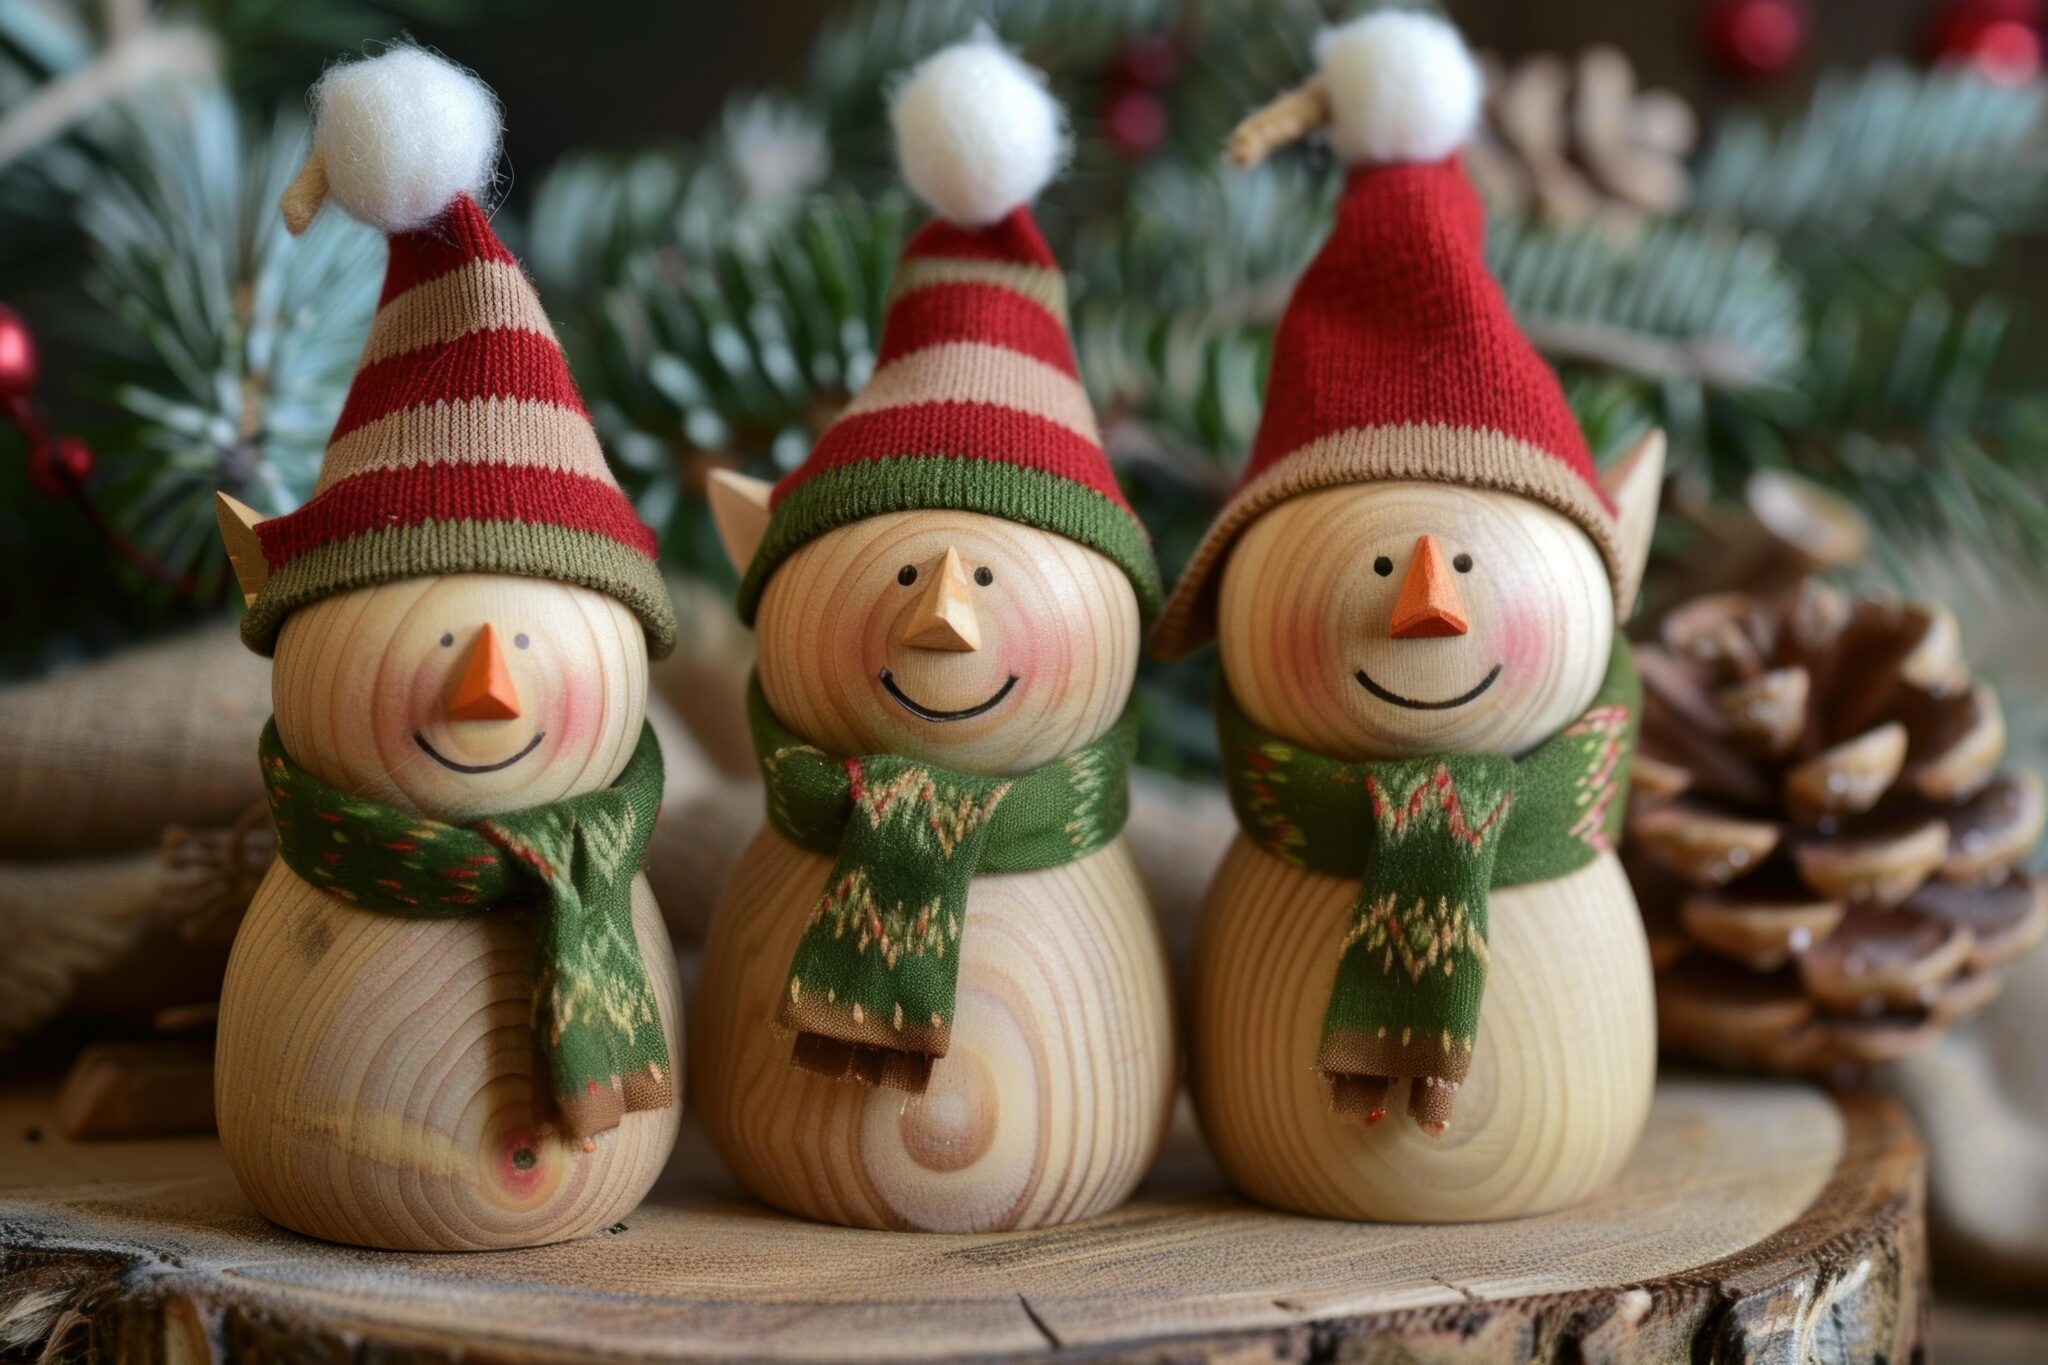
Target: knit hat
pixel 975 404
pixel 464 446
pixel 1397 357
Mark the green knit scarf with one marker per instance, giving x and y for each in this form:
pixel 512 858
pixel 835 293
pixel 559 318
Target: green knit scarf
pixel 871 987
pixel 1429 837
pixel 570 863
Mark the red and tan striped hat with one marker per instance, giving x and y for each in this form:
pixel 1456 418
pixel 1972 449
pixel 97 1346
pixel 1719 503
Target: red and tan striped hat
pixel 1397 357
pixel 464 446
pixel 975 403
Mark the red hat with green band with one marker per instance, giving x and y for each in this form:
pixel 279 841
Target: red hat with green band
pixel 975 404
pixel 464 446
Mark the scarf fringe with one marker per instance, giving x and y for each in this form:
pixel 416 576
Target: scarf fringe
pixel 881 1066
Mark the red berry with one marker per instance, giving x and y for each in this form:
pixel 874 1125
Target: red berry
pixel 60 466
pixel 1756 38
pixel 17 357
pixel 2000 39
pixel 1135 121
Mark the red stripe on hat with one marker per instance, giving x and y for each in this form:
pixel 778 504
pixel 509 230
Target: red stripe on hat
pixel 975 312
pixel 497 363
pixel 459 236
pixel 1016 238
pixel 383 499
pixel 967 431
pixel 1398 320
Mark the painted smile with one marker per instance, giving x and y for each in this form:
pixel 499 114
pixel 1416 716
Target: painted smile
pixel 452 766
pixel 923 712
pixel 1397 699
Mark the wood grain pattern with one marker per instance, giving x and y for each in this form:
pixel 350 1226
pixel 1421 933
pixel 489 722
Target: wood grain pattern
pixel 377 1080
pixel 1561 1076
pixel 1048 1107
pixel 1755 1222
pixel 1058 617
pixel 377 1077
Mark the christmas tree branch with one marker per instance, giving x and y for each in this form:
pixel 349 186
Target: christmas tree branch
pixel 139 53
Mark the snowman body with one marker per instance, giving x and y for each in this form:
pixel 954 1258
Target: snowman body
pixel 461 616
pixel 1561 1075
pixel 378 1080
pixel 1048 1105
pixel 1332 640
pixel 1054 1092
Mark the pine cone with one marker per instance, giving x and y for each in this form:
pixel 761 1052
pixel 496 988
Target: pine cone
pixel 1820 835
pixel 1570 141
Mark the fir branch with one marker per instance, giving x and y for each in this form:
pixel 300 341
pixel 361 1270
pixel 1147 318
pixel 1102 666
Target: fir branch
pixel 235 342
pixel 133 62
pixel 596 212
pixel 1888 162
pixel 1901 411
pixel 1677 303
pixel 743 356
pixel 1206 237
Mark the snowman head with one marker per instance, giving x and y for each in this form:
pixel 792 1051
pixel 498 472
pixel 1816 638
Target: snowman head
pixel 462 696
pixel 1395 619
pixel 964 639
pixel 461 613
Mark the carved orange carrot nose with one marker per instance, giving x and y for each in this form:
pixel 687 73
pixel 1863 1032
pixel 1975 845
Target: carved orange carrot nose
pixel 943 615
pixel 1429 606
pixel 485 691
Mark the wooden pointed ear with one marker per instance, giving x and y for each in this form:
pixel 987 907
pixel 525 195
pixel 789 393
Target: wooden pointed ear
pixel 238 522
pixel 1634 482
pixel 739 508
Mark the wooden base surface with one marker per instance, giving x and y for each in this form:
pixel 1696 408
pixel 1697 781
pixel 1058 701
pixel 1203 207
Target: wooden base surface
pixel 1755 1220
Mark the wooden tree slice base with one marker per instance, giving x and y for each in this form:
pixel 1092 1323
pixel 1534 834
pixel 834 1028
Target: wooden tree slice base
pixel 1760 1221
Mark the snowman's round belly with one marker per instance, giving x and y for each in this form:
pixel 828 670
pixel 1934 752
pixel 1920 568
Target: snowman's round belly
pixel 377 1080
pixel 1048 1105
pixel 1561 1073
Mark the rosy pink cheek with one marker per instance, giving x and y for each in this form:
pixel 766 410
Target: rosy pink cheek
pixel 578 709
pixel 1037 646
pixel 1526 641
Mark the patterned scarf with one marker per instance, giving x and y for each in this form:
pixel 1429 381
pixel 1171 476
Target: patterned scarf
pixel 871 987
pixel 571 864
pixel 1429 838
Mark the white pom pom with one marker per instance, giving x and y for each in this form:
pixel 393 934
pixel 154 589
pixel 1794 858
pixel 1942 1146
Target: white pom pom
pixel 977 133
pixel 1402 88
pixel 402 134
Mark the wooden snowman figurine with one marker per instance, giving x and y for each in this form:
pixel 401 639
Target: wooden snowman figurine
pixel 934 996
pixel 451 1018
pixel 1426 714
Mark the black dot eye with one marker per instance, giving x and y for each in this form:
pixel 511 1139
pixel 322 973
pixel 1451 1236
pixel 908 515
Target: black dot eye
pixel 520 640
pixel 1383 566
pixel 984 575
pixel 907 575
pixel 1463 563
pixel 447 641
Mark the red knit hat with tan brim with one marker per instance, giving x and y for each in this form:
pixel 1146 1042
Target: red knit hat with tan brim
pixel 976 404
pixel 1397 358
pixel 464 446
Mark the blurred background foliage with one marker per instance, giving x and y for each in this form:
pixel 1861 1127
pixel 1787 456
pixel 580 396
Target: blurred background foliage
pixel 1811 275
